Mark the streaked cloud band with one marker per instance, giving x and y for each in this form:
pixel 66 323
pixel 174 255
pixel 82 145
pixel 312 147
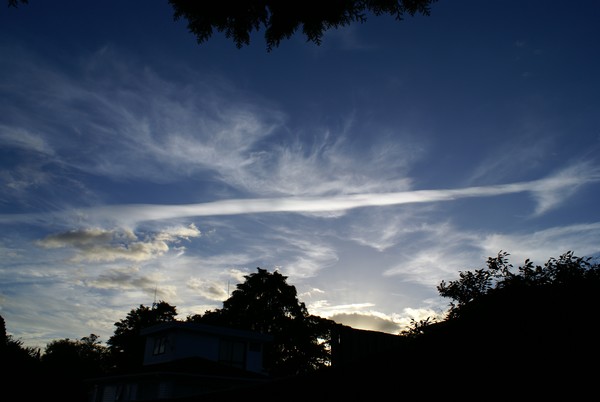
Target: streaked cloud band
pixel 546 192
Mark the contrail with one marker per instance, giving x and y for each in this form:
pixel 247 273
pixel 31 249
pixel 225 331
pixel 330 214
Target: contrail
pixel 546 191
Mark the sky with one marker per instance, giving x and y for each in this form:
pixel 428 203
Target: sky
pixel 137 165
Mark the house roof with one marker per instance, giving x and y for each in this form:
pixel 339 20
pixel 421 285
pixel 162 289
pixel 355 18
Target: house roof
pixel 207 329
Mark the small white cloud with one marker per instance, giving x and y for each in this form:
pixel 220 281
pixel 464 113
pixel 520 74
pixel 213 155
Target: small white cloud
pixel 173 234
pixel 311 293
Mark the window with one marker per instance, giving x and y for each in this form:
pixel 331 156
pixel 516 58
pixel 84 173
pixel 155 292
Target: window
pixel 232 353
pixel 160 345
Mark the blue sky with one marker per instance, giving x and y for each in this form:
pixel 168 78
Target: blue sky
pixel 135 161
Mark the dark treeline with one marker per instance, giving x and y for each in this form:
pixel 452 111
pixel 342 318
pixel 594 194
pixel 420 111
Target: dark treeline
pixel 529 331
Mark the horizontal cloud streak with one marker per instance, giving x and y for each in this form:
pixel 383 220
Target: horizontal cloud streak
pixel 143 212
pixel 548 188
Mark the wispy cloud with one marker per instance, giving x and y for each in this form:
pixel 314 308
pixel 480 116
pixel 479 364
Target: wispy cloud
pixel 382 230
pixel 556 189
pixel 135 124
pixel 583 239
pixel 444 250
pixel 23 139
pixel 307 253
pixel 425 259
pixel 209 289
pixel 328 164
pixel 138 125
pixel 130 278
pixel 549 192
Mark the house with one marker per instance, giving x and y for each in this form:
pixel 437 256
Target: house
pixel 185 359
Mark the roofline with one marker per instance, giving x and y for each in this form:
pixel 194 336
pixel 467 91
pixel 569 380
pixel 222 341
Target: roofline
pixel 208 329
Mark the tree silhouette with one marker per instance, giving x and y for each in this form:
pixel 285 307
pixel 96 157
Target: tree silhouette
pixel 13 352
pixel 281 19
pixel 567 277
pixel 538 322
pixel 126 345
pixel 18 366
pixel 69 363
pixel 15 3
pixel 472 285
pixel 86 357
pixel 267 304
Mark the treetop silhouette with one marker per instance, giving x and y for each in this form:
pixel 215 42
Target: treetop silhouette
pixel 266 303
pixel 126 345
pixel 281 19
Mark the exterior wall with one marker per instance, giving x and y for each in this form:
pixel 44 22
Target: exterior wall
pixel 181 343
pixel 171 342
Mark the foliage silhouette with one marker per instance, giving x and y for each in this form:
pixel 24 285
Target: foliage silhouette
pixel 19 364
pixel 568 276
pixel 528 332
pixel 15 3
pixel 86 357
pixel 281 19
pixel 12 349
pixel 537 321
pixel 126 346
pixel 267 304
pixel 67 365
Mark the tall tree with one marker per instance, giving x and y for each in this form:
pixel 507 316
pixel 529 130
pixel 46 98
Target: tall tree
pixel 266 303
pixel 19 365
pixel 281 19
pixel 126 345
pixel 12 351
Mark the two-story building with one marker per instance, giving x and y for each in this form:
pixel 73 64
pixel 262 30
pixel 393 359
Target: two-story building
pixel 185 359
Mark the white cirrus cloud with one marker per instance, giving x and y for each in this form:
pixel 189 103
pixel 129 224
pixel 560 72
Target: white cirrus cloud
pixel 582 239
pixel 549 192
